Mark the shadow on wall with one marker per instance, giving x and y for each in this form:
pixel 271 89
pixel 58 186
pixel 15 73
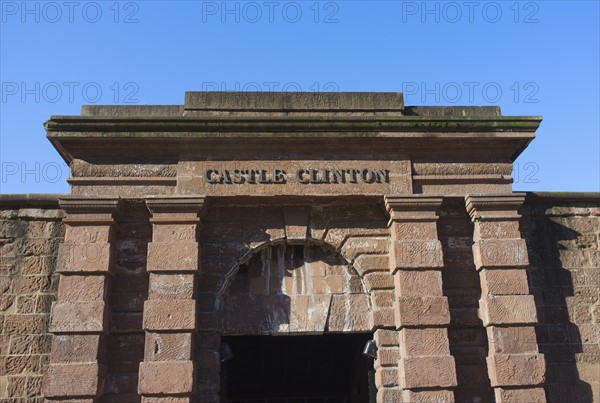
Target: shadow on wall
pixel 563 299
pixel 467 336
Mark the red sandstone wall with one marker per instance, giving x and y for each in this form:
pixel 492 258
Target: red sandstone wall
pixel 564 249
pixel 29 239
pixel 563 238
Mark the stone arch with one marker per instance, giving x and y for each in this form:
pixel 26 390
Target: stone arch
pixel 282 287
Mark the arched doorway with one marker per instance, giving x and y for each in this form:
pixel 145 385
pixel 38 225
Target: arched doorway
pixel 295 319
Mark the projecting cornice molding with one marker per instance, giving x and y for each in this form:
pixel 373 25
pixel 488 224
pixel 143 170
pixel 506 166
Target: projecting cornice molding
pixel 494 207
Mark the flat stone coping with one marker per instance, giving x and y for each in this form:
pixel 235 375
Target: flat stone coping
pixel 294 101
pixel 25 200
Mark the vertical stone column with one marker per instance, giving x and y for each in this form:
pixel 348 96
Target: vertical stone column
pixel 426 369
pixel 79 317
pixel 515 367
pixel 168 372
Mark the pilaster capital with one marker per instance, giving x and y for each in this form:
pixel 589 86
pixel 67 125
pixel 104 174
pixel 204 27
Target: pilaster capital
pixel 89 210
pixel 169 209
pixel 494 207
pixel 413 207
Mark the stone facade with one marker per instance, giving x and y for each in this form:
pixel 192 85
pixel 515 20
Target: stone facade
pixel 297 214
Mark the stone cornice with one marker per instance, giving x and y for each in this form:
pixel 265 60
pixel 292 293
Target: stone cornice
pixel 89 205
pixel 194 127
pixel 494 207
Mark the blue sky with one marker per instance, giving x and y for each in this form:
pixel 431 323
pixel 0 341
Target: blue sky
pixel 528 57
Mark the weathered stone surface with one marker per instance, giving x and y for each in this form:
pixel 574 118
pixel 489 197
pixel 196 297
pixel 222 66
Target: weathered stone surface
pixel 508 310
pixel 170 314
pixel 533 395
pixel 166 378
pixel 78 317
pixel 171 286
pixel 386 337
pixel 75 288
pixel 74 348
pixel 516 369
pixel 427 396
pixel 422 342
pixel 416 255
pixel 492 253
pixel 173 256
pixel 427 372
pixel 84 257
pixel 72 380
pixel 504 282
pixel 168 346
pixel 418 283
pixel 512 340
pixel 423 311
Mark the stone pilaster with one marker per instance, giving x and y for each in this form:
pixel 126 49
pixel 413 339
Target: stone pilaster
pixel 426 370
pixel 515 367
pixel 168 372
pixel 79 317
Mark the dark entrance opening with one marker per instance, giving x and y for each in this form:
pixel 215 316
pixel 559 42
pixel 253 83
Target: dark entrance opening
pixel 296 369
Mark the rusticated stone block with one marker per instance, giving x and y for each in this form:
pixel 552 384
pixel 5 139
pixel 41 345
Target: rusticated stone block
pixel 168 346
pixel 497 229
pixel 420 342
pixel 428 396
pixel 389 395
pixel 169 286
pixel 512 340
pixel 494 253
pixel 504 282
pixel 427 372
pixel 516 369
pixel 418 283
pixel 384 317
pixel 78 317
pixel 414 230
pixel 179 256
pixel 416 255
pixel 424 311
pixel 379 281
pixel 356 246
pixel 386 377
pixel 71 348
pixel 386 337
pixel 174 232
pixel 387 357
pixel 383 298
pixel 72 380
pixel 89 288
pixel 520 395
pixel 508 310
pixel 166 378
pixel 173 314
pixel 82 234
pixel 371 263
pixel 84 257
